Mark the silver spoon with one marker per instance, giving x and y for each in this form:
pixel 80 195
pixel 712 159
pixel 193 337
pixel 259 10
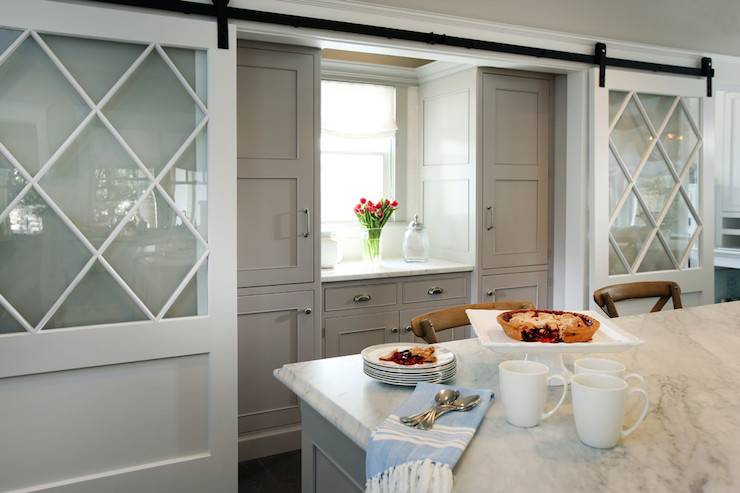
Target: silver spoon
pixel 447 400
pixel 464 404
pixel 444 396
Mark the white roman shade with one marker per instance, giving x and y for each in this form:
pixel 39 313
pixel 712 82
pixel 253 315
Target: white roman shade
pixel 357 110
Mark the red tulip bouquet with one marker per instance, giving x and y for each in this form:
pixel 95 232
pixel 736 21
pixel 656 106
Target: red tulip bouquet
pixel 372 217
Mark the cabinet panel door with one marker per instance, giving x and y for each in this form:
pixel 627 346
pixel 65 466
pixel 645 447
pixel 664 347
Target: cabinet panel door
pixel 444 336
pixel 276 154
pixel 516 158
pixel 273 329
pixel 350 335
pixel 530 286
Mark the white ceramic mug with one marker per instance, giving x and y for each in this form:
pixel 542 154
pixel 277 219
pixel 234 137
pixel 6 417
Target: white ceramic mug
pixel 524 391
pixel 606 367
pixel 598 408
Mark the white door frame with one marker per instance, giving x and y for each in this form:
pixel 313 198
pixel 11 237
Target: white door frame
pixel 75 351
pixel 698 280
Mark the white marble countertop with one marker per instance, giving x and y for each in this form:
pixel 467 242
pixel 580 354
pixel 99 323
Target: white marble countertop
pixel 355 270
pixel 690 440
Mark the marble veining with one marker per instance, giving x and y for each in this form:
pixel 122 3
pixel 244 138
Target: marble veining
pixel 690 440
pixel 352 271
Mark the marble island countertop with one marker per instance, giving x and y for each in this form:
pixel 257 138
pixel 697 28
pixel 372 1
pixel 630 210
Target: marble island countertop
pixel 690 440
pixel 357 270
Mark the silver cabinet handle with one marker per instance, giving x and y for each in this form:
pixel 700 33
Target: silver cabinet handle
pixel 361 298
pixel 489 219
pixel 394 330
pixel 307 311
pixel 489 293
pixel 435 290
pixel 408 328
pixel 307 212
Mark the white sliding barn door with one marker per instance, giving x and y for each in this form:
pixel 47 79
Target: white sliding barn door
pixel 652 183
pixel 117 251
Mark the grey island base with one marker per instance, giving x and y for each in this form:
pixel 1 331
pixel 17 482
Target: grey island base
pixel 690 440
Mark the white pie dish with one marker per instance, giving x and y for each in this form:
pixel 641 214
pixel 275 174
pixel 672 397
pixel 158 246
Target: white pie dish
pixel 608 339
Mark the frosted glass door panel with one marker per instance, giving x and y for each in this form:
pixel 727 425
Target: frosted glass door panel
pixel 103 182
pixel 39 109
pixel 154 252
pixel 654 165
pixel 154 113
pixel 95 182
pixel 40 257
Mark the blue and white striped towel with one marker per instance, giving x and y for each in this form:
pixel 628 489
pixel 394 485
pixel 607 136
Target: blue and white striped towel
pixel 401 459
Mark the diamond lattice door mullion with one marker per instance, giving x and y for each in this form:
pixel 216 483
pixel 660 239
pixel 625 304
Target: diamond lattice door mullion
pixel 653 140
pixel 41 184
pixel 72 139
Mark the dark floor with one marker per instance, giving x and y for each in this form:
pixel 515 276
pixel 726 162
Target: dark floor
pixel 275 474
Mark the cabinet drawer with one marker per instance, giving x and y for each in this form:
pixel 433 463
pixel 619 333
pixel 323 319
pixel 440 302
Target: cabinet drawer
pixel 348 297
pixel 525 286
pixel 435 289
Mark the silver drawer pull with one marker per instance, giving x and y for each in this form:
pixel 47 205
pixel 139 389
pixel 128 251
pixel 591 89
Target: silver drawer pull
pixel 435 290
pixel 489 293
pixel 361 298
pixel 408 328
pixel 394 330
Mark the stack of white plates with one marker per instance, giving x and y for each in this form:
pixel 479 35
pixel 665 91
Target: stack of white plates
pixel 392 373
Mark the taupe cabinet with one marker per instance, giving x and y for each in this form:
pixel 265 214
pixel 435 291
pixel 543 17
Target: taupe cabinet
pixel 516 152
pixel 277 130
pixel 273 330
pixel 276 153
pixel 515 123
pixel 358 314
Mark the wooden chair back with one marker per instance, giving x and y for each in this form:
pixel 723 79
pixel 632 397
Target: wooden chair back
pixel 663 290
pixel 426 326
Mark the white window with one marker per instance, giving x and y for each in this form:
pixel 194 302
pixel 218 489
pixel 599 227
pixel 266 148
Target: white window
pixel 358 140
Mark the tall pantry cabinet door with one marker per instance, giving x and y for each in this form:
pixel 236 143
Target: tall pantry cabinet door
pixel 516 158
pixel 273 330
pixel 277 94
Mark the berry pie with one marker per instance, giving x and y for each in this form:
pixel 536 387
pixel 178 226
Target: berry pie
pixel 548 326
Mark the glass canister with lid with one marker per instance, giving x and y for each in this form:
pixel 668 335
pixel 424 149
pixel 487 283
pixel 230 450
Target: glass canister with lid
pixel 415 242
